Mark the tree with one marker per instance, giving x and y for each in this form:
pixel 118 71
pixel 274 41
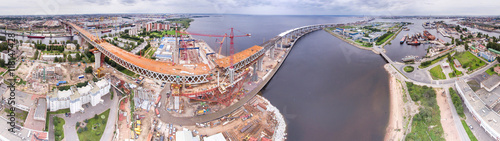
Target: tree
pixel 70 59
pixel 36 55
pixel 466 46
pixel 88 69
pixel 452 40
pixel 78 57
pixel 56 59
pixel 2 63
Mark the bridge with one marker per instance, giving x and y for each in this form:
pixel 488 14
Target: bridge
pixel 201 73
pixel 189 73
pixel 381 51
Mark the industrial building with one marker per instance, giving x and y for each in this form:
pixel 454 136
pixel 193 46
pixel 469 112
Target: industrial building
pixel 491 83
pixel 75 97
pixel 480 105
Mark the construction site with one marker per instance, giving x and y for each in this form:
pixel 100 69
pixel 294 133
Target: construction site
pixel 188 83
pixel 255 120
pixel 40 77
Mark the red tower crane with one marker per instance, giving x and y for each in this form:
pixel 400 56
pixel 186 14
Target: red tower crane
pixel 231 37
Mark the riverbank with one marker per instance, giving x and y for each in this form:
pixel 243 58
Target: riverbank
pixel 280 129
pixel 347 41
pixel 395 129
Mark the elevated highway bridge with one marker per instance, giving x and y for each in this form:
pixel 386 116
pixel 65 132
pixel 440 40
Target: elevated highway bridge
pixel 200 73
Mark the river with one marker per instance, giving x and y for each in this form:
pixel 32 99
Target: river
pixel 326 89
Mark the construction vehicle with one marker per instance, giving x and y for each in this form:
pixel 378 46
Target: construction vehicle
pixel 98 73
pixel 157 112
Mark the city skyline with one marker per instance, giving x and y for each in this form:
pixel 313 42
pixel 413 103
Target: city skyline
pixel 259 7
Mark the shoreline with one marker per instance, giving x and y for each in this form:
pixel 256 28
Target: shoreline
pixel 349 42
pixel 394 129
pixel 280 129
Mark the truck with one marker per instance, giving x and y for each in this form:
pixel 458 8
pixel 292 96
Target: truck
pixel 158 100
pixel 81 76
pixel 157 112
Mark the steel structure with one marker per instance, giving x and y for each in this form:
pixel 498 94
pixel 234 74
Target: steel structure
pixel 237 68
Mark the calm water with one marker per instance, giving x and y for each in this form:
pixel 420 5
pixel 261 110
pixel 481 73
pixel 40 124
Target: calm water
pixel 326 89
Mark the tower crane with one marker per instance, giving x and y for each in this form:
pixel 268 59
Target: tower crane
pixel 231 37
pixel 221 42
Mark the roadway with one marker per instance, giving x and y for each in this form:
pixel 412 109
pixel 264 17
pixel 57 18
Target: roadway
pixel 70 132
pixel 458 123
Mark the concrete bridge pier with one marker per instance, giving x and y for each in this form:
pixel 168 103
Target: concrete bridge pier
pixel 97 62
pixel 231 75
pixel 83 43
pixel 271 51
pixel 255 76
pixel 259 64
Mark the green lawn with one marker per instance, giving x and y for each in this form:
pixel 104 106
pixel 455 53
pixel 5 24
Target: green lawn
pixel 409 68
pixel 429 63
pixel 94 128
pixel 128 72
pixel 437 73
pixel 467 59
pixel 385 39
pixel 469 132
pixel 364 44
pixel 455 72
pixel 426 124
pixel 491 70
pixel 58 128
pixel 457 102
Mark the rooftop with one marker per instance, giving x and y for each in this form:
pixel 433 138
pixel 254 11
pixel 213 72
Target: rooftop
pixel 489 98
pixel 491 81
pixel 487 116
pixel 41 109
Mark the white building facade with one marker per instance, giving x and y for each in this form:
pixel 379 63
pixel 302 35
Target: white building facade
pixel 75 98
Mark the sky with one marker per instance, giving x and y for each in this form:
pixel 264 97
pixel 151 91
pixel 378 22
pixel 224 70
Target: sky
pixel 254 7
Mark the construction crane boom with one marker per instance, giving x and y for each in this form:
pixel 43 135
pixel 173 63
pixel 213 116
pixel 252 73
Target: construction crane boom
pixel 231 37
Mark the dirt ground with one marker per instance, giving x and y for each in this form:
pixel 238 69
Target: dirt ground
pixel 395 127
pixel 450 131
pixel 124 124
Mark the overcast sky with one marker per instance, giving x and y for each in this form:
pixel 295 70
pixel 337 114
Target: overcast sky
pixel 258 7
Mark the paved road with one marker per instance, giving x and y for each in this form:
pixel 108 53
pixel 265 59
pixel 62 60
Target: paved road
pixel 69 128
pixel 421 75
pixel 477 130
pixel 112 117
pixel 458 123
pixel 51 129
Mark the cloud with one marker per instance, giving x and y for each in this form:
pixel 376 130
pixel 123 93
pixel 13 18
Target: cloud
pixel 266 7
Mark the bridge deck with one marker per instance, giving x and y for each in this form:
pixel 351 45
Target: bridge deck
pixel 156 66
pixel 225 62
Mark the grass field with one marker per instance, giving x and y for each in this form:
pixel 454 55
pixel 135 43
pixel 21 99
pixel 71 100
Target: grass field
pixel 491 70
pixel 58 128
pixel 468 60
pixel 437 73
pixel 385 39
pixel 426 124
pixel 409 68
pixel 94 128
pixel 469 132
pixel 128 72
pixel 455 72
pixel 429 63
